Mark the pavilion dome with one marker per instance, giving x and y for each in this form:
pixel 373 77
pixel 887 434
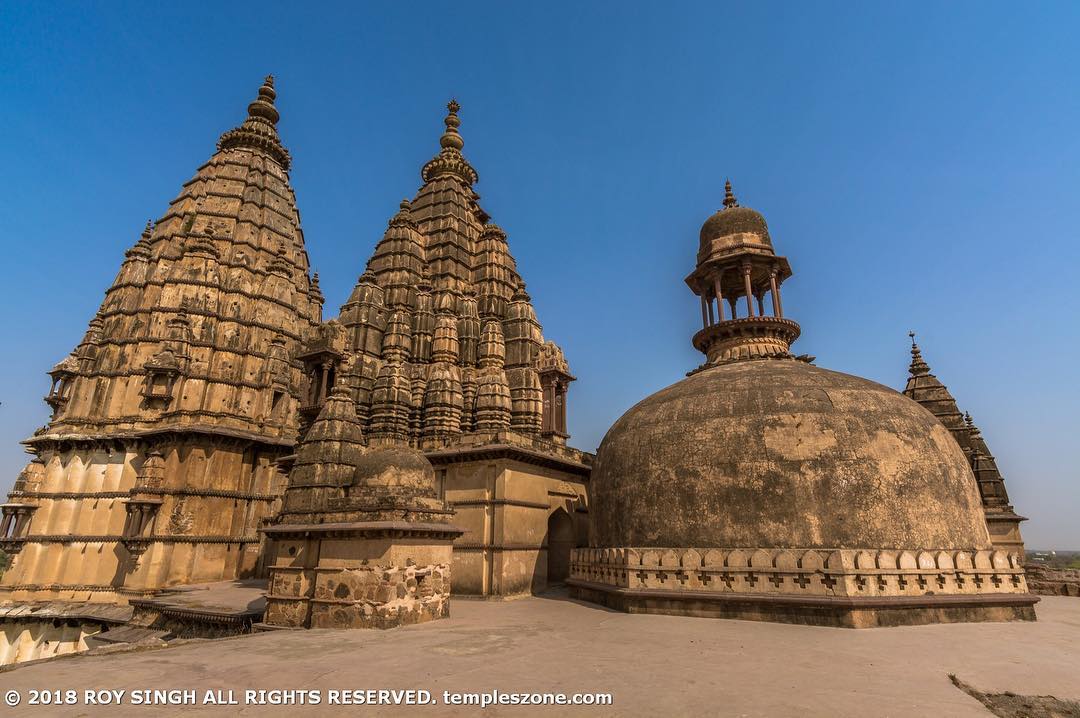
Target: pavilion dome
pixel 734 229
pixel 780 453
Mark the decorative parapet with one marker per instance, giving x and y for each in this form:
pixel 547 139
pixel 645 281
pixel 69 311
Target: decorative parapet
pixel 802 572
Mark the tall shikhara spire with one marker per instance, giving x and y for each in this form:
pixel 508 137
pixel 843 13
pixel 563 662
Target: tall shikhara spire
pixel 192 330
pixel 442 310
pixel 158 463
pixel 927 389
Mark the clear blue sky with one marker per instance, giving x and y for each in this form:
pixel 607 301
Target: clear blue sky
pixel 918 164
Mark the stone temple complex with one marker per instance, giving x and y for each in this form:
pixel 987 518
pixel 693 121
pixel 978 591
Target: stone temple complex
pixel 212 426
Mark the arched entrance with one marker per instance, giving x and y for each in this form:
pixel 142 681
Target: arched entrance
pixel 560 541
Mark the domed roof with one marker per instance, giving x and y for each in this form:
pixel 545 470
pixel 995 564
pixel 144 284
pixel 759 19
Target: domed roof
pixel 394 468
pixel 732 221
pixel 732 229
pixel 779 453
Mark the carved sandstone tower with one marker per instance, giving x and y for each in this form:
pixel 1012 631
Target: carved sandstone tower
pixel 158 463
pixel 441 350
pixel 1001 519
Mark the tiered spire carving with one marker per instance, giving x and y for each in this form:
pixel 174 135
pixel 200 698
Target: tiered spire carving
pixel 440 336
pixel 925 388
pixel 185 333
pixel 928 390
pixel 327 457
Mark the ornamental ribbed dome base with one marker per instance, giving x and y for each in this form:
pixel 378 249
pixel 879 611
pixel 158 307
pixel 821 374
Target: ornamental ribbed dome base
pixel 747 338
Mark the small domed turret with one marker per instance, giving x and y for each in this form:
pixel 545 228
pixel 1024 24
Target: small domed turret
pixel 734 229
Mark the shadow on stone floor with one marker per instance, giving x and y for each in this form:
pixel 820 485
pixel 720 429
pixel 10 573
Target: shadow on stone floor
pixel 560 592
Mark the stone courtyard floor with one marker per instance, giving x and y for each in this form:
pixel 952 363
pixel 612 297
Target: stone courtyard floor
pixel 653 665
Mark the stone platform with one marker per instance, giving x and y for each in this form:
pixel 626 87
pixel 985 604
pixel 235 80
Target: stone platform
pixel 208 610
pixel 653 665
pixel 848 588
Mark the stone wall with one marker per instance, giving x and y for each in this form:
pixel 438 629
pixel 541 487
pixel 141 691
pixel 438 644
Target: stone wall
pixel 32 640
pixel 215 494
pixel 362 578
pixel 373 597
pixel 505 507
pixel 1047 581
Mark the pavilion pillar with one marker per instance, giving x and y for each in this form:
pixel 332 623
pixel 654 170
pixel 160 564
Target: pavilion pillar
pixel 749 290
pixel 719 297
pixel 322 385
pixel 777 309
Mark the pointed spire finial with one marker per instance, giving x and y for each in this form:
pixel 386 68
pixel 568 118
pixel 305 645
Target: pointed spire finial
pixel 142 247
pixel 729 196
pixel 918 366
pixel 451 139
pixel 450 161
pixel 259 130
pixel 263 106
pixel 403 218
pixel 969 423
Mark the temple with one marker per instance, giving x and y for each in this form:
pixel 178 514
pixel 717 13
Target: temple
pixel 169 416
pixel 203 389
pixel 763 487
pixel 1001 519
pixel 440 349
pixel 212 427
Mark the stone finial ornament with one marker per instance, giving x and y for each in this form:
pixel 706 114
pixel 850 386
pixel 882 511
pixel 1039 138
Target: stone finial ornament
pixel 918 366
pixel 259 130
pixel 729 196
pixel 450 161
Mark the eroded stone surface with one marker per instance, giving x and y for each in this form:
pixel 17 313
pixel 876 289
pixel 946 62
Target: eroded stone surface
pixel 764 487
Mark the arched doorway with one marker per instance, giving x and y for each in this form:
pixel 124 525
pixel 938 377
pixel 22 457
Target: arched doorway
pixel 560 541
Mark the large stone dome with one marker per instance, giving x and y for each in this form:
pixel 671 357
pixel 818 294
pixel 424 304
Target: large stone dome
pixel 780 453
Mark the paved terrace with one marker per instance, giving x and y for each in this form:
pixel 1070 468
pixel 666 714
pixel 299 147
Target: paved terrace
pixel 654 665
